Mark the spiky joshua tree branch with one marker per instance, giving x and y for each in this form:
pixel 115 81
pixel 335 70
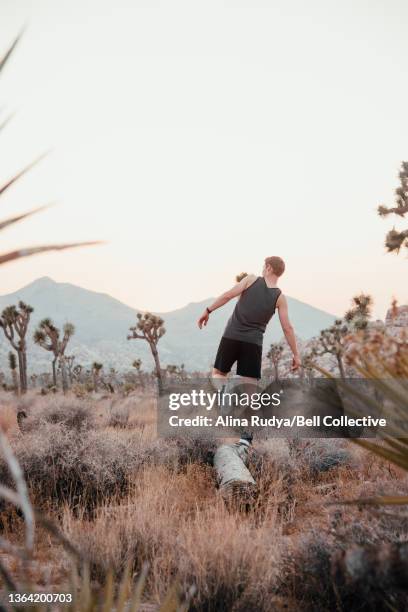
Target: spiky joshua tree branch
pixel 396 239
pixel 25 252
pixel 332 340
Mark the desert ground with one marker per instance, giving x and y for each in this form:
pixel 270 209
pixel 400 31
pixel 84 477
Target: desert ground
pixel 127 499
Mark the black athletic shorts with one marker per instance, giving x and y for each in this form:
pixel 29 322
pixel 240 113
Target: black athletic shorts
pixel 247 355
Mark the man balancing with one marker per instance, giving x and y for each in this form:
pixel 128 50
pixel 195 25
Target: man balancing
pixel 242 339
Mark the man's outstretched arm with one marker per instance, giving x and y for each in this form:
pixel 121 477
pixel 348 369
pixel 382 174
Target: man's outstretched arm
pixel 282 306
pixel 226 297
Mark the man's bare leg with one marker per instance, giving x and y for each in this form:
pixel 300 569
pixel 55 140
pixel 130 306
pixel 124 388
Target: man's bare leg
pixel 219 379
pixel 249 381
pixel 217 374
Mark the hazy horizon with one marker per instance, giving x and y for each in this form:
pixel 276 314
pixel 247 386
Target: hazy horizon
pixel 124 303
pixel 198 138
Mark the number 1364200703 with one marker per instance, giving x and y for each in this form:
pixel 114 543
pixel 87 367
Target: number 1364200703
pixel 35 598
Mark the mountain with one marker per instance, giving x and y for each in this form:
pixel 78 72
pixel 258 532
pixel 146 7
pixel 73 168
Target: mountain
pixel 102 324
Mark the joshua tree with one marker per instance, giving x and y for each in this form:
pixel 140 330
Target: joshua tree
pixel 77 372
pixel 96 372
pixel 360 312
pixel 69 360
pixel 14 322
pixel 48 337
pixel 150 327
pixel 395 239
pixel 333 339
pixel 137 364
pixel 112 379
pixel 331 342
pixel 13 369
pixel 275 355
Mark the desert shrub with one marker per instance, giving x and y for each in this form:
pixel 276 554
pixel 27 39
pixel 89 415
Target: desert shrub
pixel 195 449
pixel 322 455
pixel 272 456
pixel 72 413
pixel 119 416
pixel 79 390
pixel 128 388
pixel 301 458
pixel 315 568
pixel 67 455
pixel 308 572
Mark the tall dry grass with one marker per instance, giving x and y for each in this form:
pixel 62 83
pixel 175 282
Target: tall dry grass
pixel 179 524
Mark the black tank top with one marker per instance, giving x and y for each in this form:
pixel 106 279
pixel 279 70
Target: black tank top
pixel 252 312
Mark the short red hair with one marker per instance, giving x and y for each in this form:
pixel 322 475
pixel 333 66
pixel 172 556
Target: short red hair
pixel 277 264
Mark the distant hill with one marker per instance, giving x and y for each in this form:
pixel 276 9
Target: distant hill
pixel 102 323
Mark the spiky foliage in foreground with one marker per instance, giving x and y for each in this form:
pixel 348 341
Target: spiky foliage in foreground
pixel 14 321
pixel 25 252
pixel 395 239
pixel 48 336
pixel 383 360
pixel 151 328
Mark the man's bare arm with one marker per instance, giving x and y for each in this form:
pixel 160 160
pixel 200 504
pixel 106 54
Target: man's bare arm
pixel 235 291
pixel 282 306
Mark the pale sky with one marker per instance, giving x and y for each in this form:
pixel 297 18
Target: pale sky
pixel 198 137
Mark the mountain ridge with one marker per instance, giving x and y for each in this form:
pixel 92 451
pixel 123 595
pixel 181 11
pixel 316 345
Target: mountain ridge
pixel 102 323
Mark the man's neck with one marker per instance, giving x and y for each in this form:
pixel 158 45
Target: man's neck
pixel 271 280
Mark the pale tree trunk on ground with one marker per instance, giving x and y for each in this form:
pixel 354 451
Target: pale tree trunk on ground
pixel 235 480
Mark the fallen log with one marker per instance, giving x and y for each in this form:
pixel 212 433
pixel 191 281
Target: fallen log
pixel 237 486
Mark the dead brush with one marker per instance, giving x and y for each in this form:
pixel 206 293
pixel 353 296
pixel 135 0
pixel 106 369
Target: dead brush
pixel 119 416
pixel 70 455
pixel 71 413
pixel 326 566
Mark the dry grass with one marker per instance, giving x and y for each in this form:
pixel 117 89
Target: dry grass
pixel 178 523
pixel 123 495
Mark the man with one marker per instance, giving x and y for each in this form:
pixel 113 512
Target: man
pixel 241 342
